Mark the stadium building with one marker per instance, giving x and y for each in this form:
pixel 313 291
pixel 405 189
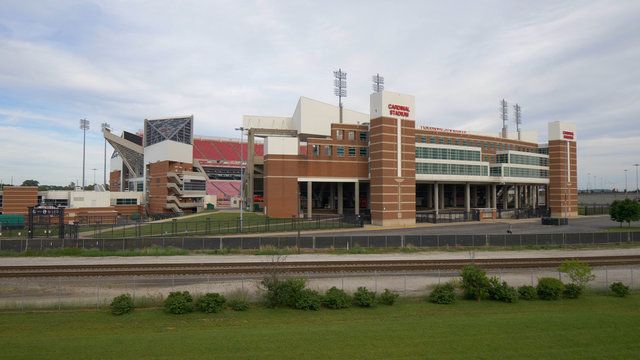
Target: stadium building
pixel 326 160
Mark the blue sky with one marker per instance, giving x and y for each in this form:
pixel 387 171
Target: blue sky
pixel 123 61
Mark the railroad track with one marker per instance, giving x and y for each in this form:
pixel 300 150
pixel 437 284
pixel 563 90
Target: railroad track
pixel 300 267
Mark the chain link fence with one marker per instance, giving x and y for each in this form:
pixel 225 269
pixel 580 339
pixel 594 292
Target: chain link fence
pixel 26 294
pixel 323 241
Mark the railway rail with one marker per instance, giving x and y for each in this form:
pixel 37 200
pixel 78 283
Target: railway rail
pixel 300 267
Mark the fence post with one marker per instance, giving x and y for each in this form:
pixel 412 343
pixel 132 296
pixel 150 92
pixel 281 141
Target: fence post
pixel 531 277
pixel 22 298
pixel 631 278
pixel 405 283
pixel 98 292
pixel 242 284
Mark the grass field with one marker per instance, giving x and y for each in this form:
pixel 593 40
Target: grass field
pixel 592 327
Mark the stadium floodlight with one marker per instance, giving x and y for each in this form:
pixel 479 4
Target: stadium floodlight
pixel 504 116
pixel 378 83
pixel 84 126
pixel 105 126
pixel 518 115
pixel 340 89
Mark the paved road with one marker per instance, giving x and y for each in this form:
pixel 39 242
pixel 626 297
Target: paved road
pixel 527 226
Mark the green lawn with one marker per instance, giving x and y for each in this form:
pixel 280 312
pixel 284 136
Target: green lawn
pixel 593 327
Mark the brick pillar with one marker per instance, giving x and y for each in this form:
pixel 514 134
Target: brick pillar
pixel 563 174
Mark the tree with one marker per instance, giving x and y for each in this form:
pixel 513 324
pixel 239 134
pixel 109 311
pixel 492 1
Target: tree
pixel 578 271
pixel 474 282
pixel 626 210
pixel 30 183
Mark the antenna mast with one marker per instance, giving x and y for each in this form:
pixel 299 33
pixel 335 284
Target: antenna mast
pixel 378 83
pixel 504 116
pixel 340 87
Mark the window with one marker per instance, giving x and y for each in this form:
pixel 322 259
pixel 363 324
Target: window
pixel 441 140
pixel 364 152
pixel 340 134
pixel 485 144
pixel 486 158
pixel 448 141
pixel 352 135
pixel 457 142
pixel 433 139
pixel 316 150
pixel 352 151
pixel 464 142
pixel 364 136
pixel 492 145
pixel 423 139
pixel 340 151
pixel 126 201
pixel 327 150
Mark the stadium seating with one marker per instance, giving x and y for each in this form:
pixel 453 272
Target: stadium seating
pixel 223 189
pixel 208 150
pixel 228 150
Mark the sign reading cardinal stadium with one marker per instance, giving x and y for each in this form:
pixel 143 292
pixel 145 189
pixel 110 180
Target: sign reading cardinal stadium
pixel 399 110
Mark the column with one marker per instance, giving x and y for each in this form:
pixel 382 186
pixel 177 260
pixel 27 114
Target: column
pixel 436 197
pixel 332 196
pixel 441 195
pixel 357 191
pixel 474 196
pixel 309 199
pixel 505 197
pixel 493 196
pixel 340 199
pixel 516 192
pixel 467 198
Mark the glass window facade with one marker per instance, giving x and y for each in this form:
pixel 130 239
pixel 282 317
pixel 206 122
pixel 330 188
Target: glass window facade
pixel 447 154
pixel 529 160
pixel 510 171
pixel 451 169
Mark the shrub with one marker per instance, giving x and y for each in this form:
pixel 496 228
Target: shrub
pixel 549 289
pixel 579 272
pixel 527 292
pixel 502 291
pixel 179 302
pixel 283 293
pixel 308 299
pixel 474 282
pixel 211 302
pixel 619 289
pixel 388 298
pixel 364 297
pixel 335 298
pixel 443 294
pixel 239 304
pixel 122 304
pixel 572 291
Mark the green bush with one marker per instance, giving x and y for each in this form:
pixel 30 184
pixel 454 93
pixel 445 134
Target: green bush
pixel 578 271
pixel 619 289
pixel 179 302
pixel 308 299
pixel 122 304
pixel 335 298
pixel 572 291
pixel 527 292
pixel 364 297
pixel 388 298
pixel 239 304
pixel 474 282
pixel 502 291
pixel 283 292
pixel 443 294
pixel 549 289
pixel 211 302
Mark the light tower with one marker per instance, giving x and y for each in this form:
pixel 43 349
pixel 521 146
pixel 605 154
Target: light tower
pixel 105 126
pixel 340 87
pixel 378 83
pixel 504 115
pixel 625 183
pixel 516 110
pixel 84 126
pixel 637 197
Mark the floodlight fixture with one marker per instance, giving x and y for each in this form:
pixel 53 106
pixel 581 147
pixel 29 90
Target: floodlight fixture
pixel 340 87
pixel 378 83
pixel 518 115
pixel 504 116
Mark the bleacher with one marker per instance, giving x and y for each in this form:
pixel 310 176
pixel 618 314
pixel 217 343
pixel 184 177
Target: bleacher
pixel 228 150
pixel 223 189
pixel 207 150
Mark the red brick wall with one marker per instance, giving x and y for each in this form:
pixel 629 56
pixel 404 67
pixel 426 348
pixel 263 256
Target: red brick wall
pixel 558 175
pixel 17 199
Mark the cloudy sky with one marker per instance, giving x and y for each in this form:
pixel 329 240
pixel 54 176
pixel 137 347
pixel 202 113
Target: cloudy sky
pixel 123 61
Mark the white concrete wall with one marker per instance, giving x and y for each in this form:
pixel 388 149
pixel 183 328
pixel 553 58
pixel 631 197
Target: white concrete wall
pixel 559 130
pixel 115 164
pixel 267 122
pixel 80 199
pixel 274 145
pixel 168 150
pixel 382 103
pixel 315 117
